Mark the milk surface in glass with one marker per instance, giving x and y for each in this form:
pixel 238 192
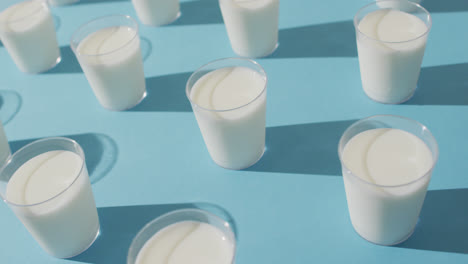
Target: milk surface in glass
pixel 383 173
pixel 112 62
pixel 28 33
pixel 252 26
pixel 187 242
pixel 156 12
pixel 230 110
pixel 67 224
pixel 391 46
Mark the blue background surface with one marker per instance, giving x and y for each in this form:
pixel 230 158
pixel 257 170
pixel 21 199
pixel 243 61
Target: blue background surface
pixel 288 208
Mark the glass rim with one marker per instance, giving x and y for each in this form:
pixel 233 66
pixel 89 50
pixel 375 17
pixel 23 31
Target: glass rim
pixel 434 153
pixel 199 69
pixel 211 215
pixel 83 26
pixel 22 149
pixel 42 5
pixel 375 3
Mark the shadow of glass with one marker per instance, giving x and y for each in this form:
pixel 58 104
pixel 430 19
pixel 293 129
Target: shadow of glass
pixel 445 6
pixel 68 64
pixel 442 85
pixel 335 39
pixel 119 225
pixel 443 224
pixel 10 103
pixel 199 13
pixel 165 94
pixel 87 2
pixel 100 152
pixel 303 148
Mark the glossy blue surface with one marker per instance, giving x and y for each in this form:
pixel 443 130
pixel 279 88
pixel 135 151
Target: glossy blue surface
pixel 291 206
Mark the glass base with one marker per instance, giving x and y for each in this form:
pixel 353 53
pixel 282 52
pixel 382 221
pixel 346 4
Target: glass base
pixel 55 63
pixel 166 23
pixel 392 103
pixel 130 107
pixel 245 167
pixel 90 244
pixel 390 244
pixel 261 56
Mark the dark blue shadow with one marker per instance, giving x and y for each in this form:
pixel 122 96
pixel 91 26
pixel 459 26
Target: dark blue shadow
pixel 165 94
pixel 304 148
pixel 100 151
pixel 335 39
pixel 199 13
pixel 68 64
pixel 445 6
pixel 119 225
pixel 442 85
pixel 87 2
pixel 443 224
pixel 10 103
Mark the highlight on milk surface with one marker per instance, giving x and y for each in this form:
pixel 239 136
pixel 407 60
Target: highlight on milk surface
pixel 228 98
pixel 27 31
pixel 184 236
pixel 62 2
pixel 157 12
pixel 387 163
pixel 391 38
pixel 251 25
pixel 108 50
pixel 47 186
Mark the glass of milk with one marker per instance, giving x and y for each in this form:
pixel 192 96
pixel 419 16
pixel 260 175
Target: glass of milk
pixel 391 38
pixel 252 26
pixel 27 31
pixel 184 236
pixel 47 186
pixel 108 50
pixel 157 12
pixel 387 162
pixel 228 98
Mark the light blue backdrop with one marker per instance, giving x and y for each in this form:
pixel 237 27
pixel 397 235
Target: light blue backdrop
pixel 291 206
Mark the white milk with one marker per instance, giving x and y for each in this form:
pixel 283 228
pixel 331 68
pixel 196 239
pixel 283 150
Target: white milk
pixel 28 33
pixel 390 71
pixel 156 12
pixel 235 139
pixel 387 157
pixel 67 224
pixel 187 242
pixel 62 2
pixel 252 26
pixel 5 151
pixel 112 62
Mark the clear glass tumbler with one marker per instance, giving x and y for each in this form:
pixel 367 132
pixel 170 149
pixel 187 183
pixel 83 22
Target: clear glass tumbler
pixel 108 50
pixel 391 47
pixel 233 133
pixel 252 26
pixel 219 244
pixel 47 186
pixel 27 31
pixel 384 203
pixel 157 13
